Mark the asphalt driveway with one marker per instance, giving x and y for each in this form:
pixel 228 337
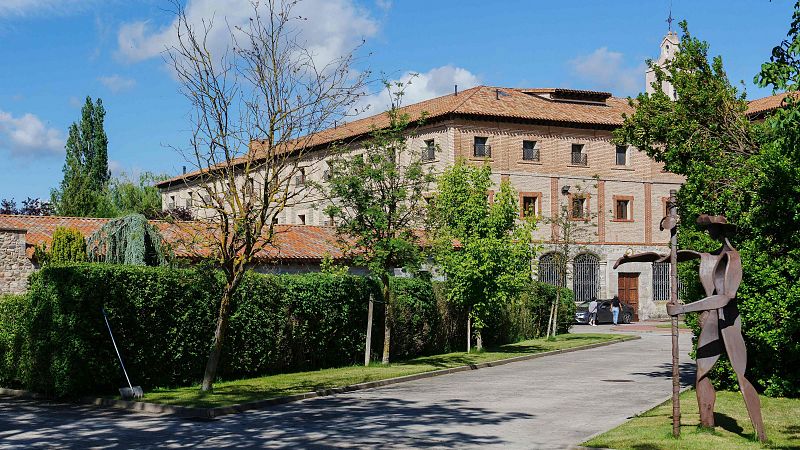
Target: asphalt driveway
pixel 551 402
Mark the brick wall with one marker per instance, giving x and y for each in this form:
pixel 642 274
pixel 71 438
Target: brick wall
pixel 14 264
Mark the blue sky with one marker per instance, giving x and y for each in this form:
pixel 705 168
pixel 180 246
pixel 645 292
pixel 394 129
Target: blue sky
pixel 56 52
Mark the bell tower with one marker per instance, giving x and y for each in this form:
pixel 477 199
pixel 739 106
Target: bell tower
pixel 669 45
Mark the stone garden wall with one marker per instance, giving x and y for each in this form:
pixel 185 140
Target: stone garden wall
pixel 14 264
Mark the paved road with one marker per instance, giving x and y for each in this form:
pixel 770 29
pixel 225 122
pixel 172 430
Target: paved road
pixel 552 402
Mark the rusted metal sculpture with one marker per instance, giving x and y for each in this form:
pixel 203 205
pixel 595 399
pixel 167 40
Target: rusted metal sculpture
pixel 720 275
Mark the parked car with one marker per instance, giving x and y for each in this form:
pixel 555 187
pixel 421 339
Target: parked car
pixel 604 312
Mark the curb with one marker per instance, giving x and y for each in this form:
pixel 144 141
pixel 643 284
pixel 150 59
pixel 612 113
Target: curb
pixel 211 413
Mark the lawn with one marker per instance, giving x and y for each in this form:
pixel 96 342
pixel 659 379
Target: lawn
pixel 653 429
pixel 681 325
pixel 247 390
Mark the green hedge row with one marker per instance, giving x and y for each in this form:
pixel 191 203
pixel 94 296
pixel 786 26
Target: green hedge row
pixel 55 341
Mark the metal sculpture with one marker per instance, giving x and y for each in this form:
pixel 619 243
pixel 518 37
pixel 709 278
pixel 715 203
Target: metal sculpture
pixel 720 275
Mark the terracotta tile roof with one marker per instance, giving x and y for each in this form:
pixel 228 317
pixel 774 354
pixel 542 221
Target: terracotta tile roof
pixel 761 105
pixel 602 110
pixel 292 242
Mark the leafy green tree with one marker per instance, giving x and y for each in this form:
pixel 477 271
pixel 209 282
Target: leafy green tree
pixel 86 174
pixel 491 261
pixel 68 246
pixel 747 171
pixel 127 196
pixel 376 202
pixel 128 240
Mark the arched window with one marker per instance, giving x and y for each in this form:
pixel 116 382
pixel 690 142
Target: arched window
pixel 549 270
pixel 586 277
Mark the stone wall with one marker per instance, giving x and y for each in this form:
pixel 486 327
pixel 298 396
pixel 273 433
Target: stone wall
pixel 14 264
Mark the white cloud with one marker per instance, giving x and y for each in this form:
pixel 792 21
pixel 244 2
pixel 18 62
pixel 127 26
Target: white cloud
pixel 22 8
pixel 606 70
pixel 28 136
pixel 116 83
pixel 433 83
pixel 329 28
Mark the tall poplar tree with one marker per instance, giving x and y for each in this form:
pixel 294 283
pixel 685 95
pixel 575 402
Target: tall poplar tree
pixel 86 173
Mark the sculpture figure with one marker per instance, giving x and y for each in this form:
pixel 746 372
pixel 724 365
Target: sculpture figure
pixel 720 323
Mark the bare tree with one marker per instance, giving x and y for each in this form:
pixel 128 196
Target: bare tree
pixel 571 225
pixel 256 107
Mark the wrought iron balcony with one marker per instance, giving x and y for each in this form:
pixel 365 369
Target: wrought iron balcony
pixel 580 159
pixel 530 154
pixel 428 153
pixel 482 151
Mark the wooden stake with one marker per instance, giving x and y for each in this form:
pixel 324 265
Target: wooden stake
pixel 368 347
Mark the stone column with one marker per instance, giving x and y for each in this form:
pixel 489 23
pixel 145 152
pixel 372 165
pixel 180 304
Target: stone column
pixel 14 263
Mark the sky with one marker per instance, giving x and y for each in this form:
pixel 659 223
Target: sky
pixel 58 52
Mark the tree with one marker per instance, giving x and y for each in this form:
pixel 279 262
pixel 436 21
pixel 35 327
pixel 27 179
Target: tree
pixel 376 201
pixel 128 240
pixel 571 225
pixel 86 175
pixel 30 207
pixel 68 246
pixel 747 171
pixel 491 261
pixel 127 196
pixel 256 106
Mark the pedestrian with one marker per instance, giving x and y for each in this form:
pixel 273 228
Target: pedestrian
pixel 593 312
pixel 615 308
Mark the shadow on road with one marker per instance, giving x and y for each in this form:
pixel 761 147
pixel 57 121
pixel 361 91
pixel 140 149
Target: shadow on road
pixel 323 422
pixel 664 370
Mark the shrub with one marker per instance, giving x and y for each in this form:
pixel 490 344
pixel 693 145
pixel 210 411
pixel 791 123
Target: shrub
pixel 527 316
pixel 68 246
pixel 163 321
pixel 13 356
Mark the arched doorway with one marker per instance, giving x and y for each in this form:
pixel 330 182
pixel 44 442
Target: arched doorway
pixel 586 277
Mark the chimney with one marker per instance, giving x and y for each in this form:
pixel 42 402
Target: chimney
pixel 184 170
pixel 456 91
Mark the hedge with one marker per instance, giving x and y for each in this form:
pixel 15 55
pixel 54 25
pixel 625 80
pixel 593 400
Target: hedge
pixel 54 341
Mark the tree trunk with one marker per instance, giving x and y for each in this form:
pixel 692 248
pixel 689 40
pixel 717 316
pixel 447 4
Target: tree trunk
pixel 555 312
pixel 478 340
pixel 387 323
pixel 549 321
pixel 368 346
pixel 469 333
pixel 219 336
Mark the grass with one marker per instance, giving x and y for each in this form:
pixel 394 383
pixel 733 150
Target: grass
pixel 653 429
pixel 681 325
pixel 248 390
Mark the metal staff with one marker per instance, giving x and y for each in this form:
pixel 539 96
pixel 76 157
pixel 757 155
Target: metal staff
pixel 673 279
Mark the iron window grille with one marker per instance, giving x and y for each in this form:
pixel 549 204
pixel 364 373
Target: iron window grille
pixel 585 277
pixel 429 151
pixel 481 149
pixel 530 151
pixel 579 158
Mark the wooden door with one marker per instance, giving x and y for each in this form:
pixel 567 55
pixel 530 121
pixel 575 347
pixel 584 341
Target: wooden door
pixel 628 291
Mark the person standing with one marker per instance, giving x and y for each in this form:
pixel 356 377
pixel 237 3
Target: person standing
pixel 593 312
pixel 615 308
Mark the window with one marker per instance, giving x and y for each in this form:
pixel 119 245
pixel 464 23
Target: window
pixel 171 204
pixel 481 149
pixel 529 206
pixel 622 210
pixel 274 220
pixel 622 155
pixel 326 175
pixel 301 218
pixel 551 269
pixel 579 209
pixel 429 150
pixel 585 277
pixel 189 200
pixel 661 288
pixel 530 151
pixel 300 179
pixel 578 156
